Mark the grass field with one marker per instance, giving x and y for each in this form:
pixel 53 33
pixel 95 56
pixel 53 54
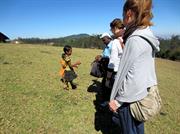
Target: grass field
pixel 32 100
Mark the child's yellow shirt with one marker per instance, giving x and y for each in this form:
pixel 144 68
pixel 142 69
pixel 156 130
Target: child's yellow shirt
pixel 65 64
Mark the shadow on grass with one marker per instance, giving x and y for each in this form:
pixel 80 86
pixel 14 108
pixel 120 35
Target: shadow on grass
pixel 103 116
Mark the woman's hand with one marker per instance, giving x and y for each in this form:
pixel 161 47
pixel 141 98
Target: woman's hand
pixel 113 105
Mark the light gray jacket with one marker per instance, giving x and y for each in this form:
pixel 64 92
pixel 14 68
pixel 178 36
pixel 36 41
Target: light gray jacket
pixel 136 70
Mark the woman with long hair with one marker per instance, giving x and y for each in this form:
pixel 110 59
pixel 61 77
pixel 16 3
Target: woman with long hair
pixel 136 72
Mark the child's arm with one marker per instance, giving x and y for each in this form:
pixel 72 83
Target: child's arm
pixel 76 64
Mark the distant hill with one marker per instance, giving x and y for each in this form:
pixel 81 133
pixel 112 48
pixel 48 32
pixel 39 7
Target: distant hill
pixel 76 36
pixel 78 40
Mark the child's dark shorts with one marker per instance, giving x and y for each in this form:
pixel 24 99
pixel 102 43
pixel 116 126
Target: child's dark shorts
pixel 69 75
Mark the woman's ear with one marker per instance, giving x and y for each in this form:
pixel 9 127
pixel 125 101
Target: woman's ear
pixel 130 16
pixel 129 13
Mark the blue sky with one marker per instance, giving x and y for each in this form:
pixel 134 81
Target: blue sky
pixel 58 18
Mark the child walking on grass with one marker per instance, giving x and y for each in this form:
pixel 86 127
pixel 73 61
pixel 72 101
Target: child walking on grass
pixel 67 69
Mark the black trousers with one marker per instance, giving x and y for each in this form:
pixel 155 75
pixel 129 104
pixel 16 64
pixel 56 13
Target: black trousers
pixel 106 91
pixel 127 123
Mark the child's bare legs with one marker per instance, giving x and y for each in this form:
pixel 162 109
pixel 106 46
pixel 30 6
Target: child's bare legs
pixel 73 85
pixel 65 84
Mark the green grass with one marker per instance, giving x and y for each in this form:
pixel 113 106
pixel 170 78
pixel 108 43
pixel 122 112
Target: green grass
pixel 32 99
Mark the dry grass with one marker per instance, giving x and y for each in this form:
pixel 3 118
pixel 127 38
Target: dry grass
pixel 32 99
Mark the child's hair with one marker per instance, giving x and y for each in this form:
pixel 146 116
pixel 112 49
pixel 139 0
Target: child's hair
pixel 67 48
pixel 117 23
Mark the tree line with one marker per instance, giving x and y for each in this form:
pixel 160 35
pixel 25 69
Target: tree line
pixel 169 48
pixel 79 41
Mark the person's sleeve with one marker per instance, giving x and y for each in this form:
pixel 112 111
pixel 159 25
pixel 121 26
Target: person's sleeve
pixel 130 54
pixel 120 48
pixel 114 55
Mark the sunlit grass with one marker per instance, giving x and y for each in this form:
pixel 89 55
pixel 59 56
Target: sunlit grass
pixel 32 99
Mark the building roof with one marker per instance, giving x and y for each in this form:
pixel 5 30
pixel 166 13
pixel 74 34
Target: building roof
pixel 3 37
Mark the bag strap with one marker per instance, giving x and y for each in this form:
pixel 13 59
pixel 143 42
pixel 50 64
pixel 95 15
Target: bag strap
pixel 153 53
pixel 145 40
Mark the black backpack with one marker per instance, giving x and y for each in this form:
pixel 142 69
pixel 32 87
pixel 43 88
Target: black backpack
pixel 99 68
